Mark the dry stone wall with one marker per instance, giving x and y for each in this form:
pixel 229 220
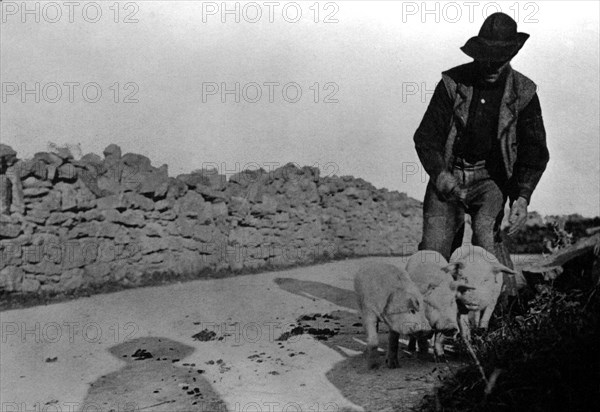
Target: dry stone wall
pixel 67 224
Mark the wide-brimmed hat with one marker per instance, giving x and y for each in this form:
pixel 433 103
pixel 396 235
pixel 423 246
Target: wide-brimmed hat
pixel 498 39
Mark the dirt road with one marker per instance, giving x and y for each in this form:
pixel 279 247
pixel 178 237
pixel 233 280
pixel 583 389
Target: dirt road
pixel 288 340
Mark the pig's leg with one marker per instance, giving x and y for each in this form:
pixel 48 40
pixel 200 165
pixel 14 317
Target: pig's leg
pixel 370 325
pixel 412 344
pixel 487 314
pixel 412 348
pixel 477 318
pixel 438 346
pixel 423 346
pixel 485 318
pixel 392 358
pixel 463 326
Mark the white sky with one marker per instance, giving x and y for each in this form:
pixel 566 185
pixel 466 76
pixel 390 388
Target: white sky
pixel 374 52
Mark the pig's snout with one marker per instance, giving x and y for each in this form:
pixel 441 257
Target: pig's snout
pixel 418 328
pixel 413 327
pixel 446 326
pixel 450 330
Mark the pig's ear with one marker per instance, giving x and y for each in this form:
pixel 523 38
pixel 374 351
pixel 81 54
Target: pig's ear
pixel 454 269
pixel 389 304
pixel 499 269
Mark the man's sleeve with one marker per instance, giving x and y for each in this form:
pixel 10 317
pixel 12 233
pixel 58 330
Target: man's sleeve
pixel 532 152
pixel 430 137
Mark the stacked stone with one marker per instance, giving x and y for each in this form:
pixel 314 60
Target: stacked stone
pixel 68 224
pixel 275 217
pixel 363 220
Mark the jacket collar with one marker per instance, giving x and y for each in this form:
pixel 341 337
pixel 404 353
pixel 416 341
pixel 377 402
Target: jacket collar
pixel 508 105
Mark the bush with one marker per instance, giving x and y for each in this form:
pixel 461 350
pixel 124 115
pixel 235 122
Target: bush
pixel 545 359
pixel 532 238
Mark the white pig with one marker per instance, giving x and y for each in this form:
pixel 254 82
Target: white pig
pixel 484 273
pixel 433 275
pixel 385 292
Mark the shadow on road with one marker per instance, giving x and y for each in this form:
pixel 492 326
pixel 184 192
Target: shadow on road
pixel 307 289
pixel 151 380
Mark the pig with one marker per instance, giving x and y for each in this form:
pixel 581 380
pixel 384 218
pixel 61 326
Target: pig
pixel 385 292
pixel 432 274
pixel 484 273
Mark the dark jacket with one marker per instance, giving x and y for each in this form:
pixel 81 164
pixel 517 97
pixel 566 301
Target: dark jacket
pixel 521 134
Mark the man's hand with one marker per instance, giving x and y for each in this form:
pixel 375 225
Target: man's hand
pixel 518 215
pixel 448 187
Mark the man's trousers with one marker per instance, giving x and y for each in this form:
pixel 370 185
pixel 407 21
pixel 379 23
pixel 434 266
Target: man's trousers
pixel 484 200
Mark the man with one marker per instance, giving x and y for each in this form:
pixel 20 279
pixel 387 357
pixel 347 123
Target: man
pixel 482 140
